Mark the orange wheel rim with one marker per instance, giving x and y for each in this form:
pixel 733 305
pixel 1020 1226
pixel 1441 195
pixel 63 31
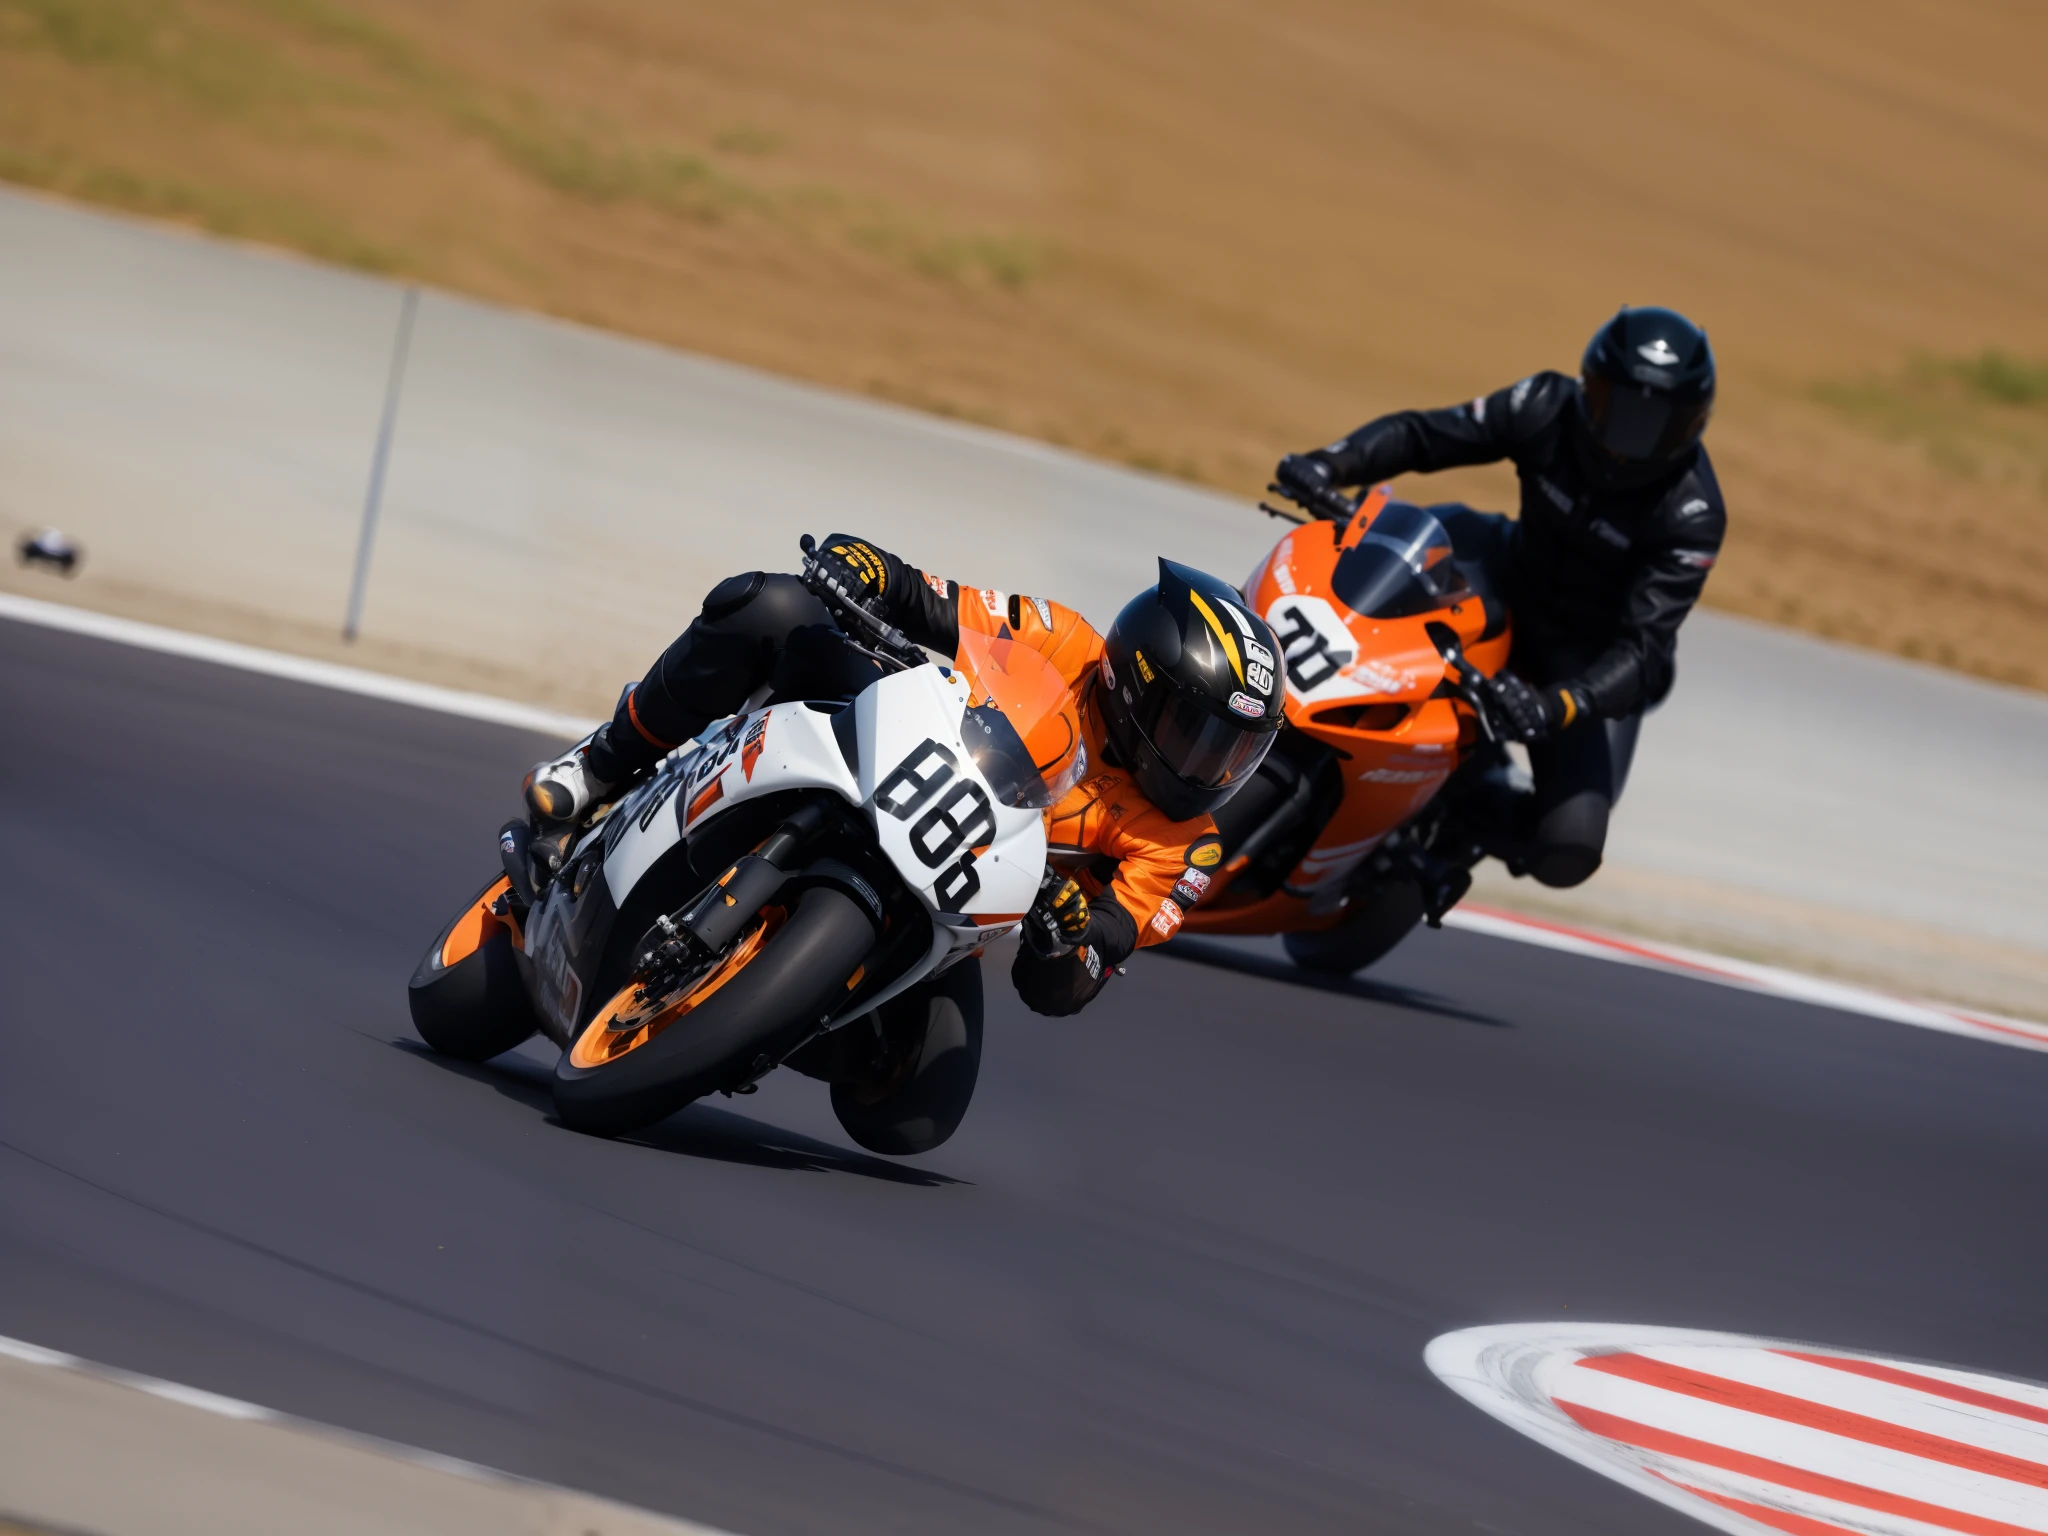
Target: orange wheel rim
pixel 475 927
pixel 619 1029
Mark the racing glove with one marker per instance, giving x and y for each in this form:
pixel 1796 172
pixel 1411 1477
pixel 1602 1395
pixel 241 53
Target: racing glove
pixel 1531 713
pixel 864 575
pixel 1058 920
pixel 1312 478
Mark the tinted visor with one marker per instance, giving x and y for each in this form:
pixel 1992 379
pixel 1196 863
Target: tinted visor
pixel 1400 567
pixel 1205 748
pixel 1635 424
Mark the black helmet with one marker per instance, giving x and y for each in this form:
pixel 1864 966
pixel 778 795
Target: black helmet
pixel 1190 692
pixel 1646 386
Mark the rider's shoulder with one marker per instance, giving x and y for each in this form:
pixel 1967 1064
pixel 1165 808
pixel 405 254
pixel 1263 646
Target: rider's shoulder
pixel 1531 405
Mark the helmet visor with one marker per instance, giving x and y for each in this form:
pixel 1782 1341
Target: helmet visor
pixel 1637 425
pixel 1203 747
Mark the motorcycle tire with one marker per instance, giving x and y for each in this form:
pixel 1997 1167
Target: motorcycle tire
pixel 1377 919
pixel 776 983
pixel 924 1077
pixel 466 995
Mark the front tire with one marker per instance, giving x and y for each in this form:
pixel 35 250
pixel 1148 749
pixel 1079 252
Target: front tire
pixel 466 995
pixel 777 983
pixel 1378 918
pixel 922 1080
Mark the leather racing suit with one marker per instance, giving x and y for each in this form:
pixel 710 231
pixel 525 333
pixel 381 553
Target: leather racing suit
pixel 1599 572
pixel 1141 871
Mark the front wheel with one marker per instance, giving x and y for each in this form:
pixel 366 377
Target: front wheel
pixel 466 996
pixel 1377 918
pixel 639 1060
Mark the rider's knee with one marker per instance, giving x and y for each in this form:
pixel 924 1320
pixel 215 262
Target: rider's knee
pixel 761 606
pixel 1569 841
pixel 1059 985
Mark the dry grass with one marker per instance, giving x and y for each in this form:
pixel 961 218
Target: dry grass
pixel 1189 235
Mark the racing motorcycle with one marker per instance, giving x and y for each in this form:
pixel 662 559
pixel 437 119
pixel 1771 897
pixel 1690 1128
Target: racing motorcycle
pixel 1350 833
pixel 798 887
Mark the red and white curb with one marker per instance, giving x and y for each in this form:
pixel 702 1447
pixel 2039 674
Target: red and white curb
pixel 1762 1435
pixel 1842 995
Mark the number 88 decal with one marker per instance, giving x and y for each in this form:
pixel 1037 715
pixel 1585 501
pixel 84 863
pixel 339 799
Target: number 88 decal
pixel 958 819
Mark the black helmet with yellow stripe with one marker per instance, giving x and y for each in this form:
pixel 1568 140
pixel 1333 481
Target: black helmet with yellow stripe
pixel 1190 692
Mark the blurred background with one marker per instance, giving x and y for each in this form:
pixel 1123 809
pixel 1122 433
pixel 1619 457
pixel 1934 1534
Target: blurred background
pixel 1187 237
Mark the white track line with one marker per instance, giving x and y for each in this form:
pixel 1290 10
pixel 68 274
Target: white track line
pixel 235 1408
pixel 297 669
pixel 1497 924
pixel 1841 995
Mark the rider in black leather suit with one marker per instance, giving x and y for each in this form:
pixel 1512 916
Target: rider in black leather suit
pixel 1621 520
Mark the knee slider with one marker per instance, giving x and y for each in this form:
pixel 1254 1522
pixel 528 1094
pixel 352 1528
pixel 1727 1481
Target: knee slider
pixel 1562 865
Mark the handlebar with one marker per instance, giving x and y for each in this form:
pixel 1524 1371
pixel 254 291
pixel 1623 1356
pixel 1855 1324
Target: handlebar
pixel 894 649
pixel 1473 685
pixel 1321 506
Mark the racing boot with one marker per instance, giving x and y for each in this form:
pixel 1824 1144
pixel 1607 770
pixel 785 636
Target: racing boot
pixel 566 788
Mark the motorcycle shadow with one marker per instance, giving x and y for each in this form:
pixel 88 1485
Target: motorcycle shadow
pixel 701 1130
pixel 1248 962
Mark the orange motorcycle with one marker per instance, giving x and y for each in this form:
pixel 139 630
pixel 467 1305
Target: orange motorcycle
pixel 1350 833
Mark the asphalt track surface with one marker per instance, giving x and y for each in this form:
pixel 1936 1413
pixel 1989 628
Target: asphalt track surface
pixel 1176 1273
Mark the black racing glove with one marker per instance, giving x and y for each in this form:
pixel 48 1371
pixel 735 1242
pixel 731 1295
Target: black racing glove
pixel 1058 920
pixel 1310 478
pixel 1529 713
pixel 864 575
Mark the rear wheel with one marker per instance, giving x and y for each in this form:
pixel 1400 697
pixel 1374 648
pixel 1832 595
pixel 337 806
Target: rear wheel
pixel 913 1092
pixel 1377 918
pixel 640 1059
pixel 466 996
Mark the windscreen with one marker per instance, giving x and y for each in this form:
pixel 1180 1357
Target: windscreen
pixel 1400 566
pixel 1023 723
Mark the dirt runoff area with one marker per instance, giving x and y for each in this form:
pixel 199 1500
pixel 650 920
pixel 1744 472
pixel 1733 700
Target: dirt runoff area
pixel 1191 234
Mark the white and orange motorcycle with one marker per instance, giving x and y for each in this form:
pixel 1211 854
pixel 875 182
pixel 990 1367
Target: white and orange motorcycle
pixel 796 888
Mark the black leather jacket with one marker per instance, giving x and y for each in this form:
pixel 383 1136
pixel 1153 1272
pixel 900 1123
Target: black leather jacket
pixel 1602 568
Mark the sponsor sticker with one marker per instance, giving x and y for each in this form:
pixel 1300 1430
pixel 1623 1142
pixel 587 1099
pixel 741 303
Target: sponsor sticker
pixel 750 749
pixel 1108 673
pixel 1698 559
pixel 1246 705
pixel 1196 881
pixel 940 585
pixel 1479 410
pixel 1206 855
pixel 1144 666
pixel 1166 919
pixel 992 600
pixel 1044 610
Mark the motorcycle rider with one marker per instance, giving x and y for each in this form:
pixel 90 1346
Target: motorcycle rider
pixel 1178 706
pixel 1621 520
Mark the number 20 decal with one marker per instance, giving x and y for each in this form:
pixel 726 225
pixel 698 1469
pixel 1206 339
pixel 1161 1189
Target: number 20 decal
pixel 959 818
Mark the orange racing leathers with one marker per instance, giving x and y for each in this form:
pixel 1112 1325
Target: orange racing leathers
pixel 1141 871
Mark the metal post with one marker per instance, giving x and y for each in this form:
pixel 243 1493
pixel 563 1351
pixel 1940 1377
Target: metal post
pixel 374 500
